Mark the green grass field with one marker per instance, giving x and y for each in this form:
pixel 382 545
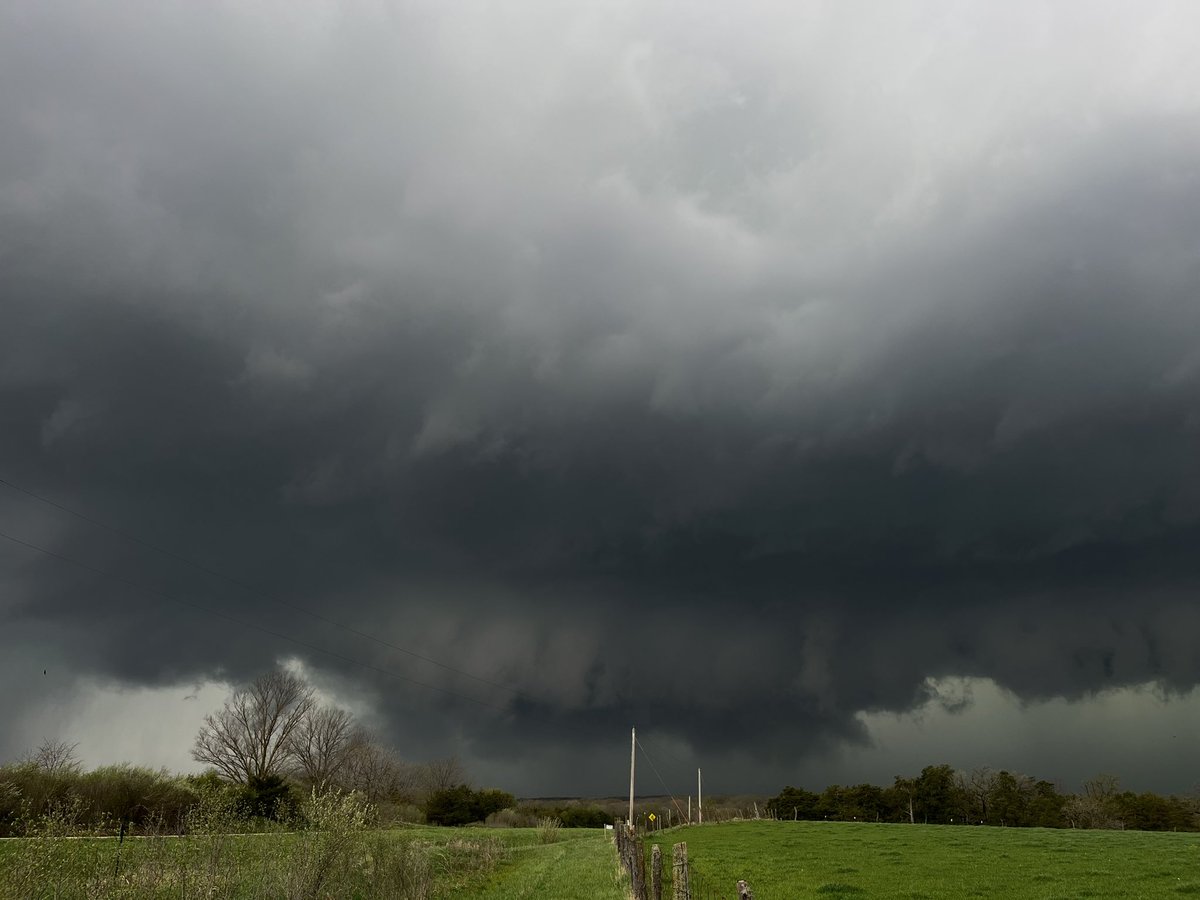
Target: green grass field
pixel 421 863
pixel 779 859
pixel 929 862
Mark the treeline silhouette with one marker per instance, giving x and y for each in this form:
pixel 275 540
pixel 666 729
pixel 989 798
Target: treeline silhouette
pixel 940 795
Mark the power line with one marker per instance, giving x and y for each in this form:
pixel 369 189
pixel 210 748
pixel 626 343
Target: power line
pixel 208 570
pixel 662 751
pixel 654 769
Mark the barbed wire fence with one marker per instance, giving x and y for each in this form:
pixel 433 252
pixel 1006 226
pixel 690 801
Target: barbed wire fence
pixel 651 877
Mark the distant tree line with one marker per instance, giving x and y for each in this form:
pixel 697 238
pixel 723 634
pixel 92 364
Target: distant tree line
pixel 940 795
pixel 569 815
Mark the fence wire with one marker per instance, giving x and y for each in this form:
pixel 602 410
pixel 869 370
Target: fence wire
pixel 635 854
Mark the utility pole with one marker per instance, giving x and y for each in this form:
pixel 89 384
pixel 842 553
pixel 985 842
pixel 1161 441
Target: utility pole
pixel 689 809
pixel 699 799
pixel 632 761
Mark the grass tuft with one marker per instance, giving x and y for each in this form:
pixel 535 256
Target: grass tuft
pixel 547 830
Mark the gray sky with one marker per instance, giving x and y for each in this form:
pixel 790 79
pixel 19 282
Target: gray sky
pixel 812 385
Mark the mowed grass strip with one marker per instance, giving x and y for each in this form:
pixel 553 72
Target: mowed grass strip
pixel 931 862
pixel 583 866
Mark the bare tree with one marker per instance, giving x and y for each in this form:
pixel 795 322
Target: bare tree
pixel 252 736
pixel 55 757
pixel 978 788
pixel 443 774
pixel 321 745
pixel 378 772
pixel 1096 806
pixel 907 789
pixel 1100 801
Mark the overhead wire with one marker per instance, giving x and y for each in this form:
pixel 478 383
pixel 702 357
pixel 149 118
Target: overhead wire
pixel 654 769
pixel 662 751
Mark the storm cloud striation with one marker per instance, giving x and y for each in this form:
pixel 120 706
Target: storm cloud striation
pixel 720 372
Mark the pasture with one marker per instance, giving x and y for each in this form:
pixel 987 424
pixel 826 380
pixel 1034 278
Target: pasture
pixel 778 859
pixel 417 863
pixel 932 862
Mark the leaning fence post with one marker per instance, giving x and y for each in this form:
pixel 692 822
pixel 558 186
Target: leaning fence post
pixel 744 892
pixel 656 872
pixel 679 872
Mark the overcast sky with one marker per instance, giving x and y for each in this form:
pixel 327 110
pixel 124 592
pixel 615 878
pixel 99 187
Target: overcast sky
pixel 814 386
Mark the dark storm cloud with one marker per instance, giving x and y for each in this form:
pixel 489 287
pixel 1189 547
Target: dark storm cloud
pixel 721 374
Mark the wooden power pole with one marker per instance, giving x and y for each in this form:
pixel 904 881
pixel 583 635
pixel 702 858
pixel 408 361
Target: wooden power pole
pixel 699 799
pixel 632 762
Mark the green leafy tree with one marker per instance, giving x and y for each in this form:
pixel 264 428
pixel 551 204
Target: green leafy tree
pixel 460 805
pixel 794 803
pixel 1046 806
pixel 938 798
pixel 268 797
pixel 450 806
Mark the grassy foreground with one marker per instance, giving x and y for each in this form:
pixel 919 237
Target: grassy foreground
pixel 406 864
pixel 931 862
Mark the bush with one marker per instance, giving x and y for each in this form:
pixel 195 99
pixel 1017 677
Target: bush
pixel 27 791
pixel 141 797
pixel 268 797
pixel 584 817
pixel 451 806
pixel 570 816
pixel 323 854
pixel 461 806
pixel 488 802
pixel 510 818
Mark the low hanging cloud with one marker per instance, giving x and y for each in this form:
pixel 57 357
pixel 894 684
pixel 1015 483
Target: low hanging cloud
pixel 720 372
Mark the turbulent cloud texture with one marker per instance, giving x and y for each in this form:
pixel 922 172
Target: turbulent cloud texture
pixel 721 370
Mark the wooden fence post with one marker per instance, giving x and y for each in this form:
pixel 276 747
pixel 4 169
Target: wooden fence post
pixel 637 868
pixel 656 873
pixel 640 886
pixel 679 872
pixel 744 892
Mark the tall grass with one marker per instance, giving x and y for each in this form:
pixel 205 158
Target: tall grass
pixel 337 855
pixel 547 830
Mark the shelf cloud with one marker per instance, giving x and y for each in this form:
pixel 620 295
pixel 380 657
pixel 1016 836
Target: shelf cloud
pixel 735 374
